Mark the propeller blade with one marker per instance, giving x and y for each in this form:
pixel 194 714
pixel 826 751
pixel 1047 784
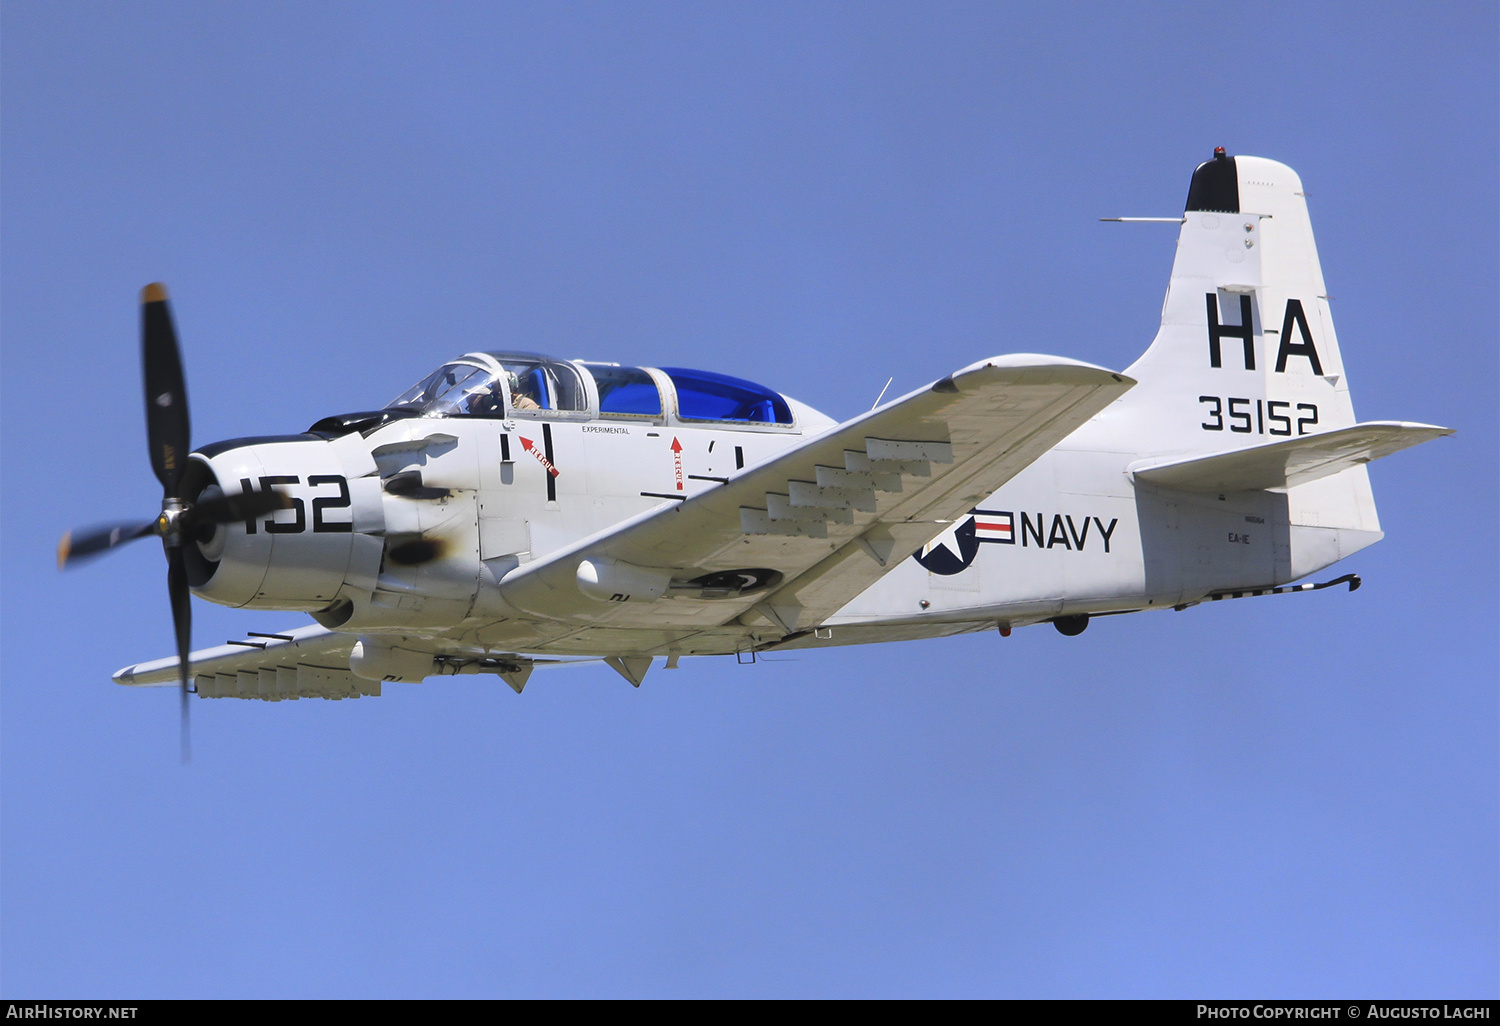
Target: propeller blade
pixel 81 546
pixel 230 509
pixel 166 392
pixel 182 625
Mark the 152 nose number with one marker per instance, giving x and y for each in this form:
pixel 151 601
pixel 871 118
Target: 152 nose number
pixel 320 505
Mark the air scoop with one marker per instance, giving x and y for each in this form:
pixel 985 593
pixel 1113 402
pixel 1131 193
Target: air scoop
pixel 364 423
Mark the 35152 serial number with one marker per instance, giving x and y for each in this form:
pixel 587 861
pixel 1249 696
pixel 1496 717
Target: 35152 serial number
pixel 1258 416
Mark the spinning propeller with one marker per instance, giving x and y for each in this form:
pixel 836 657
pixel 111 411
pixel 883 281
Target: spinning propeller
pixel 180 522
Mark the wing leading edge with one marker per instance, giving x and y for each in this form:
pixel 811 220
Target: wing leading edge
pixel 788 542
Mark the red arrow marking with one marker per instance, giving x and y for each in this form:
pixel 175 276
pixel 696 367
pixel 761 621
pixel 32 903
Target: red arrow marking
pixel 677 460
pixel 530 447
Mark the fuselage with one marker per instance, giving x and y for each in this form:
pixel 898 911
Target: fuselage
pixel 407 520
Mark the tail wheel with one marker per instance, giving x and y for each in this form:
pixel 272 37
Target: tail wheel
pixel 1071 626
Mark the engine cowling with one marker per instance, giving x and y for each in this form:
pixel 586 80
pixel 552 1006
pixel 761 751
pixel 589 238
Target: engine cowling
pixel 301 558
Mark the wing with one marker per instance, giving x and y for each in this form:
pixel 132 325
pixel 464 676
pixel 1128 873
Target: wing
pixel 787 543
pixel 309 662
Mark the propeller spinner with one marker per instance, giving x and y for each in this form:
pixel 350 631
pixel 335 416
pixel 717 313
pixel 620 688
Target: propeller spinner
pixel 167 432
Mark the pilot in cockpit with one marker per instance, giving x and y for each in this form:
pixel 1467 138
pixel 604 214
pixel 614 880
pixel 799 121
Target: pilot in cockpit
pixel 521 395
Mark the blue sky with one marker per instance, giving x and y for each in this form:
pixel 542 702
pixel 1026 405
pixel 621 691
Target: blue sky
pixel 1293 796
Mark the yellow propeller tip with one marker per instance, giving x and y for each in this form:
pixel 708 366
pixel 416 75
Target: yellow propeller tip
pixel 156 292
pixel 64 547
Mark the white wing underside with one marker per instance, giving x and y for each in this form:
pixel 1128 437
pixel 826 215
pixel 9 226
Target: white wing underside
pixel 309 662
pixel 322 655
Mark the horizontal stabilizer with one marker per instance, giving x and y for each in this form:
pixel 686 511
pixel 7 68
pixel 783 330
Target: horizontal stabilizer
pixel 1291 462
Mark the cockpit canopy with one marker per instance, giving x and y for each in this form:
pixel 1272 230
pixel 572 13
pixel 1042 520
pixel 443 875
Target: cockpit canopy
pixel 525 384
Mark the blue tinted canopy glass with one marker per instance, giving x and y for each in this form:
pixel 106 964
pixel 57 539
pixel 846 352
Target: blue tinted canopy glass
pixel 704 395
pixel 626 391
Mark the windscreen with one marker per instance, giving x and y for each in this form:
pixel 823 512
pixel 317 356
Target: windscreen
pixel 453 390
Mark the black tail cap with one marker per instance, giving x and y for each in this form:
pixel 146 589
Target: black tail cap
pixel 1216 185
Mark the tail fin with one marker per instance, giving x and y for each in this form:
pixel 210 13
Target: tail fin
pixel 1246 353
pixel 1243 391
pixel 1247 356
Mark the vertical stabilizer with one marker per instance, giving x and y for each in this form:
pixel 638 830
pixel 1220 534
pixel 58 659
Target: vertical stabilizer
pixel 1247 353
pixel 1246 324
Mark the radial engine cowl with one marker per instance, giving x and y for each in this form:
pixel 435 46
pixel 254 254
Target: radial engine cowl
pixel 301 557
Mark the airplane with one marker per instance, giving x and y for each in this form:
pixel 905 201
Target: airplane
pixel 511 510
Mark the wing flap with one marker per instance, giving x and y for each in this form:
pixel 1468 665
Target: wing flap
pixel 820 515
pixel 1290 462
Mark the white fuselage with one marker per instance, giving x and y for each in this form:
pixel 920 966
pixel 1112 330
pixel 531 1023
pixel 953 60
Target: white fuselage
pixel 1072 533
